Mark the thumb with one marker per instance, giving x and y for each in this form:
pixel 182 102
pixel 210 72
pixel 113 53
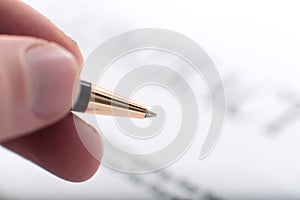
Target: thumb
pixel 36 83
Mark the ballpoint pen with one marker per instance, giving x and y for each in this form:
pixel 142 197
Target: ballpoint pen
pixel 97 100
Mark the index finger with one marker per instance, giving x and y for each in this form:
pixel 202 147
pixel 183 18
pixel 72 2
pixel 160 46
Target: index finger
pixel 17 18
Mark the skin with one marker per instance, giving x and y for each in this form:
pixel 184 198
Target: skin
pixel 40 127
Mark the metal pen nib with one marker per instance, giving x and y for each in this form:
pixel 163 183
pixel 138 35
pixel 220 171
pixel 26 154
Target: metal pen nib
pixel 97 100
pixel 150 114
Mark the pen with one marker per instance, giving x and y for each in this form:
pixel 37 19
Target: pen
pixel 97 100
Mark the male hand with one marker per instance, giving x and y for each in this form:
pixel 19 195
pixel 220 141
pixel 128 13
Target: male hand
pixel 39 67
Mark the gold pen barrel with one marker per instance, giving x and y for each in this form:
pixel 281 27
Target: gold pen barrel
pixel 105 102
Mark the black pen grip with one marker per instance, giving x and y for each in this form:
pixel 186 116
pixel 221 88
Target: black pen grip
pixel 84 97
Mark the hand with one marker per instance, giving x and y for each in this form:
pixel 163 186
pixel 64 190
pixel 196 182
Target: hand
pixel 38 69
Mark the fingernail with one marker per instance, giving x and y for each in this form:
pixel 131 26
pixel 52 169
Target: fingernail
pixel 52 73
pixel 90 138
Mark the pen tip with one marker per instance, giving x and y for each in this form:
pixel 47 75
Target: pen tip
pixel 150 114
